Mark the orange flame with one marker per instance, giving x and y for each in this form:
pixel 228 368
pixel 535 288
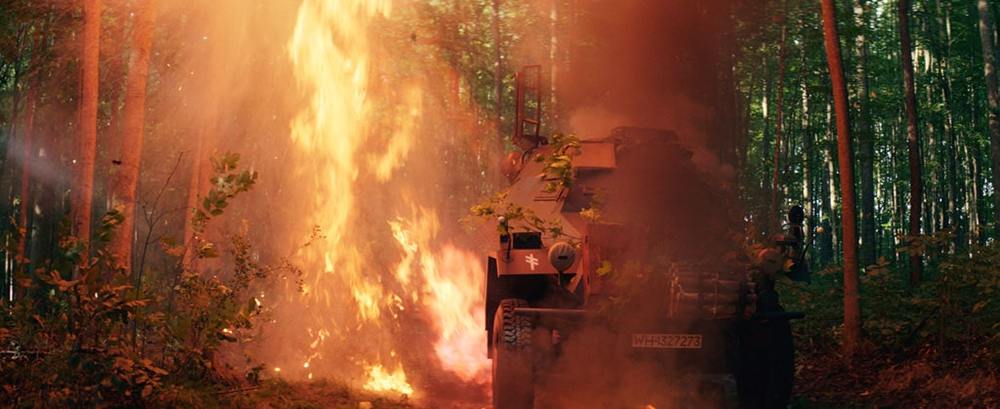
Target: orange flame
pixel 452 283
pixel 353 293
pixel 330 53
pixel 380 380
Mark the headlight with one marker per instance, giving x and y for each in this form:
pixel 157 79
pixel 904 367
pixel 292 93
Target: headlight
pixel 561 256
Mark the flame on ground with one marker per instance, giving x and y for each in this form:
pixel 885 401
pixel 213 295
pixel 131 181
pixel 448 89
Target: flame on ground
pixel 364 276
pixel 380 380
pixel 451 293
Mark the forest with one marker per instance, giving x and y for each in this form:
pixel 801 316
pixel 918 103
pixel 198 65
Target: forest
pixel 252 203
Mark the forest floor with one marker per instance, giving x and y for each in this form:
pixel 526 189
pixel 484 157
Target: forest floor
pixel 277 394
pixel 823 382
pixel 321 394
pixel 880 381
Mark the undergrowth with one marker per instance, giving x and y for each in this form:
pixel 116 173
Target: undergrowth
pixel 934 343
pixel 85 332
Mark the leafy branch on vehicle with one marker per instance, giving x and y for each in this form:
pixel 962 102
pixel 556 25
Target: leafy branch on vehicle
pixel 518 217
pixel 558 164
pixel 595 210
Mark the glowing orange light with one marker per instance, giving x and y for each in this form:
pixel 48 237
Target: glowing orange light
pixel 452 282
pixel 380 380
pixel 363 275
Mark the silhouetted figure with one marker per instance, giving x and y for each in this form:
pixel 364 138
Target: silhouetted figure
pixel 793 245
pixel 768 364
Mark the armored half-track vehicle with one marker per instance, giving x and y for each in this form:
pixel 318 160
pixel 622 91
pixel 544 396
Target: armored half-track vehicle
pixel 644 253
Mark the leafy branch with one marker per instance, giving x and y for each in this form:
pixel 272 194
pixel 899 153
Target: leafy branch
pixel 518 217
pixel 595 210
pixel 558 164
pixel 228 182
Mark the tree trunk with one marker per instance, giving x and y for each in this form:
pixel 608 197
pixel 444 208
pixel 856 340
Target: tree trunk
pixel 196 188
pixel 807 162
pixel 956 195
pixel 126 181
pixel 767 215
pixel 976 221
pixel 993 97
pixel 27 149
pixel 498 78
pixel 896 208
pixel 869 252
pixel 913 138
pixel 553 63
pixel 7 167
pixel 928 155
pixel 10 149
pixel 86 147
pixel 24 212
pixel 852 309
pixel 746 113
pixel 900 213
pixel 971 193
pixel 779 128
pixel 831 185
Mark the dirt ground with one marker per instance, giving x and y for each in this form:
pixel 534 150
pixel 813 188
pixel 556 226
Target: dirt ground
pixel 326 395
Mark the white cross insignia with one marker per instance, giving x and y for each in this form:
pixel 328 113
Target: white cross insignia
pixel 531 260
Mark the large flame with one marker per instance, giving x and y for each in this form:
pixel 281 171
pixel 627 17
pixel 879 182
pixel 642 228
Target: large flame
pixel 380 264
pixel 451 281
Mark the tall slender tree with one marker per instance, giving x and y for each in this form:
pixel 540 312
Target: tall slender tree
pixel 553 61
pixel 807 154
pixel 498 76
pixel 912 137
pixel 779 119
pixel 831 247
pixel 27 148
pixel 126 180
pixel 865 138
pixel 852 308
pixel 992 96
pixel 196 185
pixel 86 146
pixel 956 197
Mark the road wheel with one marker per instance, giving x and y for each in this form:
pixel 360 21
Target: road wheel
pixel 513 372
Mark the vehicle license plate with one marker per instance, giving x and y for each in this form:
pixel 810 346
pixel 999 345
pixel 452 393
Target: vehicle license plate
pixel 666 341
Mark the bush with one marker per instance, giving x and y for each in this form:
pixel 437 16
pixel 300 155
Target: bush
pixel 952 312
pixel 917 339
pixel 84 333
